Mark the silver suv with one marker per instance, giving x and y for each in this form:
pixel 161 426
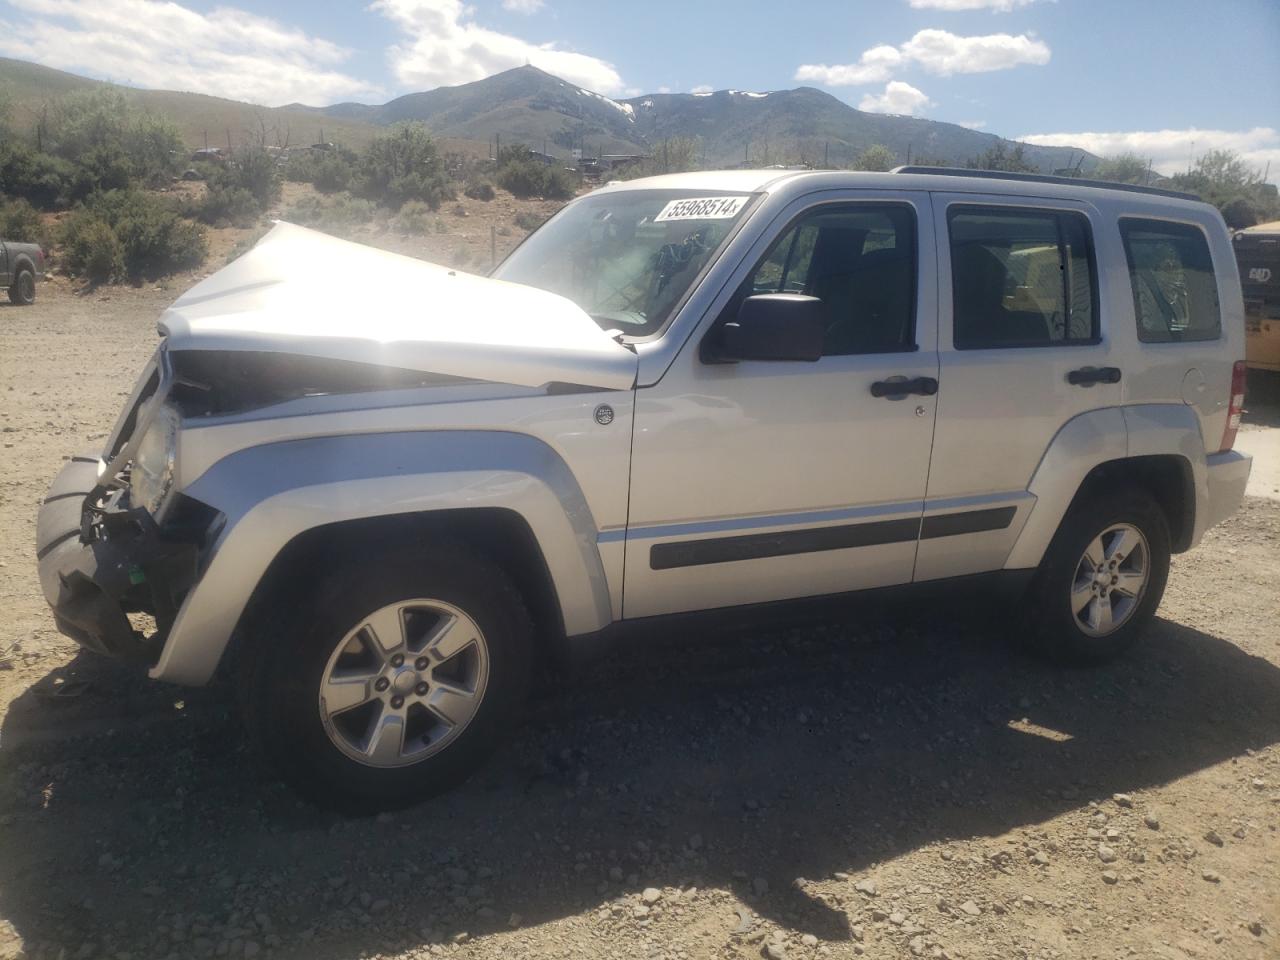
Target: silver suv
pixel 380 503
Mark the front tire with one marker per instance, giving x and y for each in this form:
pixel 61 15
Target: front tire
pixel 1101 579
pixel 23 290
pixel 390 680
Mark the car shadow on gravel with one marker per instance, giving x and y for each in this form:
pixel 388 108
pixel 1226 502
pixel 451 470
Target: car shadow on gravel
pixel 131 817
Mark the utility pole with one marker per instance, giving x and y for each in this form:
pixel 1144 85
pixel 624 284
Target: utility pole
pixel 826 154
pixel 909 146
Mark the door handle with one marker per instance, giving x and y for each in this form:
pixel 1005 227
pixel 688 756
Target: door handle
pixel 1088 376
pixel 895 388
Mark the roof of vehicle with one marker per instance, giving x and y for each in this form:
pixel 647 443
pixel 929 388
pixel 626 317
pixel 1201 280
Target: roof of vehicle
pixel 906 178
pixel 1260 229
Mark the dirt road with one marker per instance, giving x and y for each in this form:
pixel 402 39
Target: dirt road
pixel 897 784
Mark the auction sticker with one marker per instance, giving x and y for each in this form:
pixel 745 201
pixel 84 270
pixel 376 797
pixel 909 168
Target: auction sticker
pixel 701 208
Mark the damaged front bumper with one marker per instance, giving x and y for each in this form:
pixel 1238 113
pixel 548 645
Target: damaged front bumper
pixel 101 561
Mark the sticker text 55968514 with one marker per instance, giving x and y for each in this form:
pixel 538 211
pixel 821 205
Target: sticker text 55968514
pixel 701 208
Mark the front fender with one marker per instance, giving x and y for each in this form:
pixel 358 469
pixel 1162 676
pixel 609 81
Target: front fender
pixel 272 493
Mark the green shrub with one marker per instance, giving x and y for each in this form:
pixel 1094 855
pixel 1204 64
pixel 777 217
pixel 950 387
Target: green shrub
pixel 227 205
pixel 91 249
pixel 331 174
pixel 525 177
pixel 148 238
pixel 239 190
pixel 414 217
pixel 329 171
pixel 40 178
pixel 331 213
pixel 21 223
pixel 156 246
pixel 529 221
pixel 401 166
pixel 479 190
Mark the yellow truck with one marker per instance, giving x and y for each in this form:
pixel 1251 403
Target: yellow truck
pixel 1258 254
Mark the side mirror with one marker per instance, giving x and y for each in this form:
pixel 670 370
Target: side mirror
pixel 774 326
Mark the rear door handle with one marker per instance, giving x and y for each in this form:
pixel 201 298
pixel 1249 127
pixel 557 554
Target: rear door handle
pixel 1088 376
pixel 895 388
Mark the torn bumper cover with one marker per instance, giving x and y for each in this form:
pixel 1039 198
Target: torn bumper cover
pixel 100 561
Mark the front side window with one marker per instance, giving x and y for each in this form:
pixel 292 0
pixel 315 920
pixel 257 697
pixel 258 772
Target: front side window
pixel 860 261
pixel 1021 278
pixel 627 257
pixel 1175 294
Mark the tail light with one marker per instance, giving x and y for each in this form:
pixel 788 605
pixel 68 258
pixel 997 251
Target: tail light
pixel 1235 406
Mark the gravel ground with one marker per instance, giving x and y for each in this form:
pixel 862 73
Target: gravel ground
pixel 894 784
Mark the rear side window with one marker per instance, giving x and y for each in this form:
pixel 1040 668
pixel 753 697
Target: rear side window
pixel 1021 278
pixel 1175 294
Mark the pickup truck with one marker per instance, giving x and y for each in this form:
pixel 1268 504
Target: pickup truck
pixel 21 265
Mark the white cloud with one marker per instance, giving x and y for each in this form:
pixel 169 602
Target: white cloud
pixel 664 89
pixel 945 53
pixel 937 51
pixel 702 89
pixel 1170 151
pixel 874 66
pixel 151 43
pixel 444 45
pixel 522 6
pixel 999 6
pixel 973 124
pixel 898 97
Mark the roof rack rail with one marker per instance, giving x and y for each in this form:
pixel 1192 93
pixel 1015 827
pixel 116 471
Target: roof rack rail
pixel 1045 178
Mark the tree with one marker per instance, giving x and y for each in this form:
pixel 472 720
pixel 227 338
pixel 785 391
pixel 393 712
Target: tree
pixel 876 157
pixel 673 155
pixel 403 165
pixel 1226 179
pixel 1000 157
pixel 1122 168
pixel 111 141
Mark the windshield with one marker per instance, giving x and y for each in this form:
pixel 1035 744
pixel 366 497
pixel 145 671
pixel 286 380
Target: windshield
pixel 627 258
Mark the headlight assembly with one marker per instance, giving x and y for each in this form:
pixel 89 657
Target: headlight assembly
pixel 155 461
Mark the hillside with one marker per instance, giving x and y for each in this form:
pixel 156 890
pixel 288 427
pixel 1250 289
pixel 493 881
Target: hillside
pixel 197 115
pixel 527 105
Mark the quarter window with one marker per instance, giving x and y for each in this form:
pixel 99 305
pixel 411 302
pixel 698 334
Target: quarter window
pixel 1175 295
pixel 1021 278
pixel 861 263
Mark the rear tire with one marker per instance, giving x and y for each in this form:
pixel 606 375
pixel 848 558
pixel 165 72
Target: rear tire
pixel 23 290
pixel 361 720
pixel 1101 579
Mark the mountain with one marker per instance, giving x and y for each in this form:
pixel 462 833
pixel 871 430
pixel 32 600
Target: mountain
pixel 785 125
pixel 523 105
pixel 527 105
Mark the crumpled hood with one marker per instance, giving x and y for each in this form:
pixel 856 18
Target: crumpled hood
pixel 305 293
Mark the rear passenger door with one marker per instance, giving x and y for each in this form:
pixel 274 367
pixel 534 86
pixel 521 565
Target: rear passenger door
pixel 1023 348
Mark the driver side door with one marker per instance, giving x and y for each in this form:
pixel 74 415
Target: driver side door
pixel 768 480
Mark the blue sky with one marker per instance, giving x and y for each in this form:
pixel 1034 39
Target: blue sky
pixel 1166 79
